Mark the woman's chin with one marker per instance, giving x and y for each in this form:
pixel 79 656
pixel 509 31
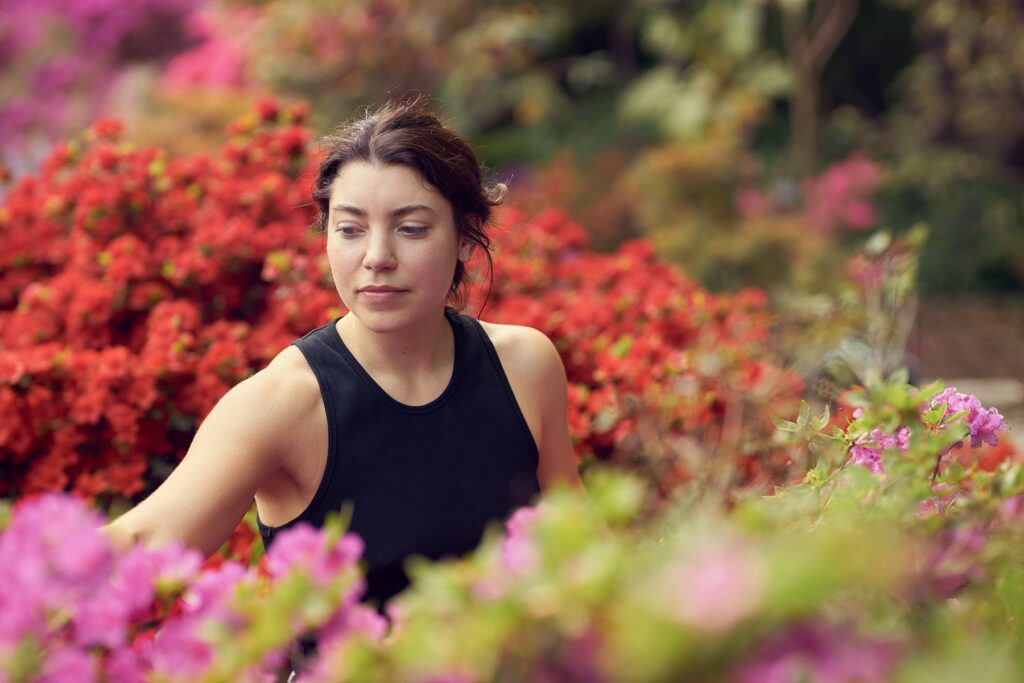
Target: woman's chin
pixel 383 319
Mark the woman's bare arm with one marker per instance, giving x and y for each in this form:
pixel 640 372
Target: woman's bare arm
pixel 243 441
pixel 533 360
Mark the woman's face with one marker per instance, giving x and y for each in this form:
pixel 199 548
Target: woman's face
pixel 392 245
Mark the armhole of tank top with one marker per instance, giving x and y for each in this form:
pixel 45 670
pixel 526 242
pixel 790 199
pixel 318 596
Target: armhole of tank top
pixel 328 403
pixel 500 369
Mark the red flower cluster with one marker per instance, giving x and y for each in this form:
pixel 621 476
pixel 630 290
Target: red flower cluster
pixel 661 372
pixel 136 289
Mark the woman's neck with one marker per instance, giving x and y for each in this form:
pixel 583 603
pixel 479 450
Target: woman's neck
pixel 411 355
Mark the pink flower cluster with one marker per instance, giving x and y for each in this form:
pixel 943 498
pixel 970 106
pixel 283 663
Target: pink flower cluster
pixel 842 196
pixel 91 614
pixel 519 555
pixel 820 652
pixel 983 423
pixel 66 589
pixel 867 450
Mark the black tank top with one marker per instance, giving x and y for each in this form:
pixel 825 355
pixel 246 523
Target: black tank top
pixel 423 480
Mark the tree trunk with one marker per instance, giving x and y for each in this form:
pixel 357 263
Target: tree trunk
pixel 811 38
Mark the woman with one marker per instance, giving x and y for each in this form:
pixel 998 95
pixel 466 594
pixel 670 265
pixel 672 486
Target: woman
pixel 430 423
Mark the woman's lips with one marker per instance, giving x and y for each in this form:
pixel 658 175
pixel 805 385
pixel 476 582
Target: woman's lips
pixel 381 296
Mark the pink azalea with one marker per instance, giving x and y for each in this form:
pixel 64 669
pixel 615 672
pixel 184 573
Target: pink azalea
pixel 210 594
pixel 752 203
pixel 124 666
pixel 68 665
pixel 983 424
pixel 101 619
pixel 305 547
pixel 867 451
pixel 820 653
pixel 841 196
pixel 956 560
pixel 350 618
pixel 870 458
pixel 1012 509
pixel 946 496
pixel 177 651
pixel 519 555
pixel 715 587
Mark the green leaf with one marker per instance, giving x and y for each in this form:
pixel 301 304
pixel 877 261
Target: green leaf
pixel 928 391
pixel 805 414
pixel 622 346
pixel 934 414
pixel 900 377
pixel 821 421
pixel 785 425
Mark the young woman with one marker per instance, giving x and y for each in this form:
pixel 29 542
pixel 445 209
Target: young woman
pixel 428 422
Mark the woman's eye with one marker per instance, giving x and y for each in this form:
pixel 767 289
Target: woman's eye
pixel 413 229
pixel 347 230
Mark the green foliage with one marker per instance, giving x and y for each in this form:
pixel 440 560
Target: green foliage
pixel 714 69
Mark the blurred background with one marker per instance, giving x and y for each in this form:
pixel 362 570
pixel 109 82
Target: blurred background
pixel 755 142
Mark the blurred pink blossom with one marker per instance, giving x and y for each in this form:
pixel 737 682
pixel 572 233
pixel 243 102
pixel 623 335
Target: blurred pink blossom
pixel 752 203
pixel 715 586
pixel 519 555
pixel 841 196
pixel 306 547
pixel 821 653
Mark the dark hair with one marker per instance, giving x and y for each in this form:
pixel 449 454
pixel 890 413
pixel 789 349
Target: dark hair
pixel 405 133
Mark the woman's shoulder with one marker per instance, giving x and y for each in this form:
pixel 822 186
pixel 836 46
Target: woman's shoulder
pixel 523 350
pixel 287 383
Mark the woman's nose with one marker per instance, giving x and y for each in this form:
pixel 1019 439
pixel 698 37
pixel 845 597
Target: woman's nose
pixel 380 253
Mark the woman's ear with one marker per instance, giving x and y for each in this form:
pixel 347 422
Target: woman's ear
pixel 466 250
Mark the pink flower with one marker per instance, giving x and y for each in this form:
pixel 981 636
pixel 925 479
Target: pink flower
pixel 1012 509
pixel 867 451
pixel 983 424
pixel 956 560
pixel 871 458
pixel 821 653
pixel 124 666
pixel 715 586
pixel 178 652
pixel 68 665
pixel 752 203
pixel 304 547
pixel 519 554
pixel 210 593
pixel 100 619
pixel 350 618
pixel 841 196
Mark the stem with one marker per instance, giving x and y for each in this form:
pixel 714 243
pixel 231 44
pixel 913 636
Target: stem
pixel 938 464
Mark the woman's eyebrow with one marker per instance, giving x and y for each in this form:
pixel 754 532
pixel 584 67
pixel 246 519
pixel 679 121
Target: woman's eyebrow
pixel 397 211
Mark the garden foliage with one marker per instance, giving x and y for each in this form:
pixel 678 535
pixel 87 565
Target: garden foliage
pixel 904 566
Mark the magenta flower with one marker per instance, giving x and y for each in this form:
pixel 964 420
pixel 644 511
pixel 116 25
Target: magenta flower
pixel 124 666
pixel 946 497
pixel 68 665
pixel 870 458
pixel 519 554
pixel 1012 509
pixel 842 196
pixel 101 619
pixel 867 451
pixel 350 618
pixel 821 653
pixel 304 547
pixel 956 560
pixel 983 423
